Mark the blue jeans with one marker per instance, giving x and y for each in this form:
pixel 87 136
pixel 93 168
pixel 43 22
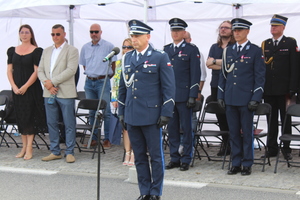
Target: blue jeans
pixel 93 90
pixel 67 107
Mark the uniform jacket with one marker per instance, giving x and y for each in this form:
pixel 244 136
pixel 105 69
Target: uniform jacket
pixel 246 81
pixel 282 74
pixel 63 73
pixel 186 66
pixel 151 93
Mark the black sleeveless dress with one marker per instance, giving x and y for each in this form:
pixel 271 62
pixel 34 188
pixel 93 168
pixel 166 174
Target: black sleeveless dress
pixel 29 108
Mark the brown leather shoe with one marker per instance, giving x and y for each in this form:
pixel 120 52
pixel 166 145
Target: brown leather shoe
pixel 70 158
pixel 106 144
pixel 93 143
pixel 51 157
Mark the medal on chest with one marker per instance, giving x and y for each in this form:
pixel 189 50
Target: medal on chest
pixel 145 64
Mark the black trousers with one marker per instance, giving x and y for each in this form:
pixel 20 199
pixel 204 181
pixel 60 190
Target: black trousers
pixel 278 103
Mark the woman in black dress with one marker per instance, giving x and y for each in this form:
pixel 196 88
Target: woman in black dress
pixel 28 101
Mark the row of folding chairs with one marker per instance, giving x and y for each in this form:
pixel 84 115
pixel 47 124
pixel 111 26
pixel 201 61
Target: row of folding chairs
pixel 262 117
pixel 210 110
pixel 206 137
pixel 8 124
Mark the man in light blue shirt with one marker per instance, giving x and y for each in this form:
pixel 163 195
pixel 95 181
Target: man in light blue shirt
pixel 95 69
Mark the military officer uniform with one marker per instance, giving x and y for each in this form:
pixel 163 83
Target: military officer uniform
pixel 146 92
pixel 241 83
pixel 186 65
pixel 282 77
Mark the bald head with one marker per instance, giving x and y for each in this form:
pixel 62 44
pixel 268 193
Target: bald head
pixel 95 33
pixel 187 37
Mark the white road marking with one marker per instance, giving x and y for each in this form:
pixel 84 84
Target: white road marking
pixel 185 184
pixel 27 171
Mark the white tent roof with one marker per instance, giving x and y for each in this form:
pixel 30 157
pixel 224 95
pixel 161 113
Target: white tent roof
pixel 202 18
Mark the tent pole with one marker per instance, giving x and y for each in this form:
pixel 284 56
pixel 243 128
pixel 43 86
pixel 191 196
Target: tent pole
pixel 71 22
pixel 145 11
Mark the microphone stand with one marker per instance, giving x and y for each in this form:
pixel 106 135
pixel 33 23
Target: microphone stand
pixel 97 114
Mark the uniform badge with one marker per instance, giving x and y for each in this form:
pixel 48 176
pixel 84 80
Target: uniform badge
pixel 126 76
pixel 145 64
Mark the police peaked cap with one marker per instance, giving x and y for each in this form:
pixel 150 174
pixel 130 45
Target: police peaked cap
pixel 176 23
pixel 137 27
pixel 238 23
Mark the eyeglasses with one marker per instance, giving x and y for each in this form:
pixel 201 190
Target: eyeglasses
pixel 127 47
pixel 91 32
pixel 53 34
pixel 225 27
pixel 25 32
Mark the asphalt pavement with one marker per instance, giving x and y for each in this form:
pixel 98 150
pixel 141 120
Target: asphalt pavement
pixel 204 173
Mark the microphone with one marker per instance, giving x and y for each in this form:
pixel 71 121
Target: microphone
pixel 114 51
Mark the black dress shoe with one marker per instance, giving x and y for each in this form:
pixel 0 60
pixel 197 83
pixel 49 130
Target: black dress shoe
pixel 172 165
pixel 288 156
pixel 154 197
pixel 234 170
pixel 184 167
pixel 246 171
pixel 144 197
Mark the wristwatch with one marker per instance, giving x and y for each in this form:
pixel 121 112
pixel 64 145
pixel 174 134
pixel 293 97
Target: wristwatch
pixel 214 61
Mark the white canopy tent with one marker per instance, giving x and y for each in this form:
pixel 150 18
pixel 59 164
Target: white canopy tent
pixel 113 15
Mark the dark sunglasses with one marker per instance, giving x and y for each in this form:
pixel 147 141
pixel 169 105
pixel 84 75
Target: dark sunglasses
pixel 53 34
pixel 127 47
pixel 91 32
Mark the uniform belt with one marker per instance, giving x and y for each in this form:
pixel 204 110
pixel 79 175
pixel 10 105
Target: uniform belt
pixel 96 78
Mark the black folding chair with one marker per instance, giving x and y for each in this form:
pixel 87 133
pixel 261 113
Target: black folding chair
pixel 202 134
pixel 293 111
pixel 8 119
pixel 91 104
pixel 264 109
pixel 82 116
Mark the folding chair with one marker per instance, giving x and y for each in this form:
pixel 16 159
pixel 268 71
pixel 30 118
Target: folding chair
pixel 82 116
pixel 264 109
pixel 293 111
pixel 7 119
pixel 210 121
pixel 91 104
pixel 210 108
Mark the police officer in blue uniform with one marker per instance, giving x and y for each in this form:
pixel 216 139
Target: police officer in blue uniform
pixel 240 90
pixel 146 102
pixel 186 65
pixel 282 79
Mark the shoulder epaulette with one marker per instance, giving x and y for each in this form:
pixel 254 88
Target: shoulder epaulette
pixel 291 38
pixel 168 44
pixel 159 50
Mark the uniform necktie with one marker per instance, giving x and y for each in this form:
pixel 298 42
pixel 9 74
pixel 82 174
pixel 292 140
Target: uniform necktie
pixel 176 48
pixel 275 43
pixel 138 57
pixel 239 50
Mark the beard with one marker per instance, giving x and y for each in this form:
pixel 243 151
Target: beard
pixel 225 36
